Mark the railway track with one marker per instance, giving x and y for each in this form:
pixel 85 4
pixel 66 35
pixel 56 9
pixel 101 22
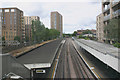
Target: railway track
pixel 72 64
pixel 84 71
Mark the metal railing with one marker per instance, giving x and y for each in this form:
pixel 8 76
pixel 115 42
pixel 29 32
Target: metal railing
pixel 107 8
pixel 116 13
pixel 115 1
pixel 107 17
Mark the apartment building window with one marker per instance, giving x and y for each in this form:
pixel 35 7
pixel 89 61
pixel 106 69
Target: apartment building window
pixel 30 20
pixel 3 14
pixel 14 34
pixel 14 27
pixel 10 27
pixel 10 18
pixel 60 24
pixel 6 10
pixel 27 20
pixel 55 21
pixel 0 18
pixel 12 10
pixel 4 21
pixel 14 18
pixel 6 36
pixel 4 32
pixel 11 33
pixel 9 36
pixel 0 10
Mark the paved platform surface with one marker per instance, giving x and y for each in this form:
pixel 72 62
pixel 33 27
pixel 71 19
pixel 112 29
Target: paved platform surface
pixel 102 70
pixel 43 54
pixel 102 47
pixel 106 53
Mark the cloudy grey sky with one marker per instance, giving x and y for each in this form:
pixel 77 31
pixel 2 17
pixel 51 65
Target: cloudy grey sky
pixel 76 15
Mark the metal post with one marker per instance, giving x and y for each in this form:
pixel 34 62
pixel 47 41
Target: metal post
pixel 32 78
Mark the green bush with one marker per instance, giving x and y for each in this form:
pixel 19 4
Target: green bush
pixel 116 45
pixel 83 37
pixel 80 36
pixel 17 38
pixel 86 38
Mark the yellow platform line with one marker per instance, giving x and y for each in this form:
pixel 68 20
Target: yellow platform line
pixel 86 62
pixel 54 70
pixel 56 63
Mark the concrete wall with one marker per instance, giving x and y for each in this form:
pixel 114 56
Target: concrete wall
pixel 100 27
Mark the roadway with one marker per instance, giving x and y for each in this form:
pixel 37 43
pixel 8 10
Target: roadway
pixel 71 65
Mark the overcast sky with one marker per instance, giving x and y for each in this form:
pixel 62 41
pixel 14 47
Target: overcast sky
pixel 76 14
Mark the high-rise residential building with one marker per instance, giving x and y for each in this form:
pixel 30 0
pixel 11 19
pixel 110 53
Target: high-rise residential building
pixel 110 10
pixel 56 22
pixel 100 28
pixel 28 24
pixel 12 23
pixel 80 32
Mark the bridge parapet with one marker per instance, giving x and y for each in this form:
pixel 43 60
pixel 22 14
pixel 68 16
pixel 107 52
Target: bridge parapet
pixel 12 68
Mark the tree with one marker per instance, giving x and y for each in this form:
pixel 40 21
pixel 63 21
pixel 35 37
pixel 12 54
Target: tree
pixel 26 38
pixel 112 30
pixel 54 33
pixel 86 32
pixel 3 38
pixel 38 30
pixel 40 33
pixel 17 38
pixel 67 35
pixel 75 33
pixel 47 34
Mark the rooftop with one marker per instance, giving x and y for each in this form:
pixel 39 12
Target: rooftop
pixel 12 8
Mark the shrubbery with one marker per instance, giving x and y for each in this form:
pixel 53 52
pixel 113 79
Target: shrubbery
pixel 116 45
pixel 83 37
pixel 87 38
pixel 80 36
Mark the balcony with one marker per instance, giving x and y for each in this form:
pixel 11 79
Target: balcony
pixel 106 8
pixel 107 17
pixel 115 2
pixel 116 13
